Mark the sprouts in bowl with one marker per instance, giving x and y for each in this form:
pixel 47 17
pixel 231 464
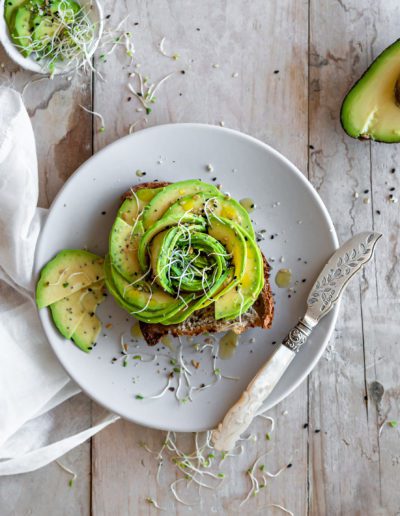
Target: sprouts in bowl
pixel 60 37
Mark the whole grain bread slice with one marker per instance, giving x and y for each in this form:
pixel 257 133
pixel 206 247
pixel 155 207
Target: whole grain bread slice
pixel 203 321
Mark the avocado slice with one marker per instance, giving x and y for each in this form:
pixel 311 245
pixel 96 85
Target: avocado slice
pixel 165 223
pixel 68 313
pixel 248 280
pixel 87 332
pixel 170 194
pixel 10 7
pixel 71 270
pixel 238 300
pixel 133 206
pixel 146 315
pixel 44 28
pixel 124 243
pixel 371 109
pixel 200 303
pixel 206 203
pixel 21 28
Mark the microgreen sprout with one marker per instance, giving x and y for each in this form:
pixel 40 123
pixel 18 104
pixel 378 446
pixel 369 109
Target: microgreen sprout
pixel 174 56
pixel 153 502
pixel 69 41
pixel 67 470
pixel 97 115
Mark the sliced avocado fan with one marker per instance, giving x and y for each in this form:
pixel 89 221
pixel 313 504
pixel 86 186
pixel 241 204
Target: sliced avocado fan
pixel 180 248
pixel 371 109
pixel 72 286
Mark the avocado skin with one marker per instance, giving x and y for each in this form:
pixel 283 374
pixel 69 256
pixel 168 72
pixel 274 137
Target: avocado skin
pixel 346 104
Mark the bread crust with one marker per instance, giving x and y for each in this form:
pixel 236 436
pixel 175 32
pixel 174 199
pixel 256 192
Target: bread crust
pixel 260 315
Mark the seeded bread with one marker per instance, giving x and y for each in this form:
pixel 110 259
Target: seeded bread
pixel 202 321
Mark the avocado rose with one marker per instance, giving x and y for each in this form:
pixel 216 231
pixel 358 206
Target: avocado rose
pixel 180 248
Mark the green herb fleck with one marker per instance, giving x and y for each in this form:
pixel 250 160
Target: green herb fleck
pixel 102 129
pixel 221 475
pixel 71 482
pixel 139 397
pixel 261 467
pixel 137 357
pixel 393 423
pixel 172 361
pixel 148 110
pixel 217 371
pixel 177 369
pixel 268 436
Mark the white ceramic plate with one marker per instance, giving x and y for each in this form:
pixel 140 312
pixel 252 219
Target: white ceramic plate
pixel 287 207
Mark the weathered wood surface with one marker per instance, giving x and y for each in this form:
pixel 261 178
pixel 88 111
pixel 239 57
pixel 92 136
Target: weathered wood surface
pixel 319 48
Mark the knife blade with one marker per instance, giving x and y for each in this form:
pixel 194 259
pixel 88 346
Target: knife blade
pixel 324 295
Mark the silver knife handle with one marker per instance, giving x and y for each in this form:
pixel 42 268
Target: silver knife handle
pixel 299 334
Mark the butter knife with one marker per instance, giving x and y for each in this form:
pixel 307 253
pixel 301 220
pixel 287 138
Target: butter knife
pixel 324 295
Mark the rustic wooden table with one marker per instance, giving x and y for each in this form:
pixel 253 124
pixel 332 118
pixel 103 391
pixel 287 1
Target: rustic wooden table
pixel 284 68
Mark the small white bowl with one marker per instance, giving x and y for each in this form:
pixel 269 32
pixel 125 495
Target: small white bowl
pixel 28 63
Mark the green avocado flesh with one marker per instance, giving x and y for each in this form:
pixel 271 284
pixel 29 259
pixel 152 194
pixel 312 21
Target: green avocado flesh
pixel 180 248
pixel 87 332
pixel 68 272
pixel 68 313
pixel 172 251
pixel 72 286
pixel 33 24
pixel 371 109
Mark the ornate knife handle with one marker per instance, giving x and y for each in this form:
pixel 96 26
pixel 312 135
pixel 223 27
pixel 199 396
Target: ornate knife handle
pixel 299 334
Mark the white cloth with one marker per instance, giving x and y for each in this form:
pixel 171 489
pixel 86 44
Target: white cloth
pixel 32 382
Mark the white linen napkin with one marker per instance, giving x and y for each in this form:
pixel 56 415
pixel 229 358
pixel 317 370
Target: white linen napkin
pixel 32 382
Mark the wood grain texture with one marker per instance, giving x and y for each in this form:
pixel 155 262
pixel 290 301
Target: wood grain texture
pixel 259 102
pixel 63 142
pixel 318 49
pixel 353 471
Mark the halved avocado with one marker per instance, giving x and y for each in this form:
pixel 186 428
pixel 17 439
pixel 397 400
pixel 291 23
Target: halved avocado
pixel 170 194
pixel 371 109
pixel 70 271
pixel 68 313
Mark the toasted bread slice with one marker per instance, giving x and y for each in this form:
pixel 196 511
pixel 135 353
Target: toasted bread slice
pixel 203 321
